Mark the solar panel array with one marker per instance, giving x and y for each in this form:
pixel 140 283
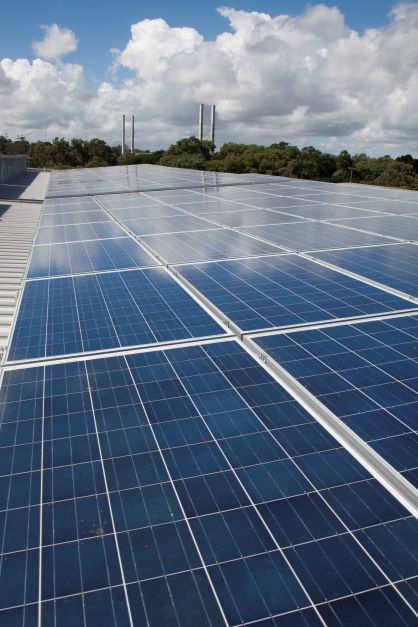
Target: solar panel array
pixel 190 356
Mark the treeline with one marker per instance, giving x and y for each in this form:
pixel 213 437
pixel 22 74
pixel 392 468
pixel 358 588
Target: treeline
pixel 61 154
pixel 279 159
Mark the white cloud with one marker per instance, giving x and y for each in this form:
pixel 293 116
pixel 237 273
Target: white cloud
pixel 56 43
pixel 307 79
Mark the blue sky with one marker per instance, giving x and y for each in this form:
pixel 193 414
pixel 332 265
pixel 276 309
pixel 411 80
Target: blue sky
pixel 320 77
pixel 101 25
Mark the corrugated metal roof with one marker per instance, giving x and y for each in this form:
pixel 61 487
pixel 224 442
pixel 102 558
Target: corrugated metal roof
pixel 18 225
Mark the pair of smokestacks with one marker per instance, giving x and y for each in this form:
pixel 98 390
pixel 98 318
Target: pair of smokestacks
pixel 132 134
pixel 212 122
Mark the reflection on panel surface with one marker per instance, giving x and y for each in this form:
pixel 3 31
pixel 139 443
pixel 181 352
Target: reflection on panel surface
pixel 91 256
pixel 285 290
pixel 314 236
pixel 213 244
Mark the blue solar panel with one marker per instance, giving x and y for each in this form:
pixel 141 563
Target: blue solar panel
pixel 398 207
pixel 59 206
pixel 207 245
pixel 77 217
pixel 249 217
pixel 400 227
pixel 78 232
pixel 327 212
pixel 99 311
pixel 135 213
pixel 367 375
pixel 311 236
pixel 394 266
pixel 176 486
pixel 285 290
pixel 90 256
pixel 178 483
pixel 169 224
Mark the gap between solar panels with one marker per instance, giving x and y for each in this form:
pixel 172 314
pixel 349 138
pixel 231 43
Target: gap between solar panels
pixel 391 479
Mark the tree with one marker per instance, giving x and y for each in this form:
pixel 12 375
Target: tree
pixel 398 174
pixel 192 146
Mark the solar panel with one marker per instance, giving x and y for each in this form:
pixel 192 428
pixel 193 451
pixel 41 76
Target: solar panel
pixel 402 227
pixel 78 232
pixel 77 217
pixel 285 290
pixel 394 266
pixel 88 256
pixel 163 460
pixel 366 374
pixel 312 236
pixel 207 245
pixel 98 311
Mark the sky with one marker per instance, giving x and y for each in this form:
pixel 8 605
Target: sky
pixel 336 75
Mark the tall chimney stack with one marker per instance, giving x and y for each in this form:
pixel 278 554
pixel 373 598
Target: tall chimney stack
pixel 200 121
pixel 123 134
pixel 133 134
pixel 212 124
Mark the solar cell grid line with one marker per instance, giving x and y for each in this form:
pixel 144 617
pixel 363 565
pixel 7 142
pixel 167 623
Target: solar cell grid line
pixel 224 619
pixel 128 606
pixel 192 399
pixel 379 377
pixel 242 486
pixel 41 500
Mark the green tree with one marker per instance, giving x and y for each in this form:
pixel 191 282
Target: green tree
pixel 398 174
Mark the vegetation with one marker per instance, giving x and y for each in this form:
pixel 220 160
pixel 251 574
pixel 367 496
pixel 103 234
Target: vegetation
pixel 279 159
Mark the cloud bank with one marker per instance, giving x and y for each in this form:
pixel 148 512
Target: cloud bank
pixel 307 79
